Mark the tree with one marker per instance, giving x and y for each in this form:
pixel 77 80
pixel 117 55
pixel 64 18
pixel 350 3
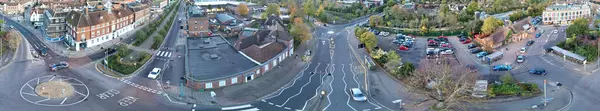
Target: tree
pixel 490 24
pixel 359 31
pixel 472 7
pixel 309 7
pixel 375 20
pixel 378 54
pixel 243 9
pixel 507 78
pixel 413 23
pixel 423 26
pixel 300 30
pixel 579 27
pixel 272 9
pixel 451 20
pixel 444 9
pixel 369 39
pixel 517 15
pixel 443 81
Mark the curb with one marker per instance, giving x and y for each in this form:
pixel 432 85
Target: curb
pixel 16 51
pixel 570 100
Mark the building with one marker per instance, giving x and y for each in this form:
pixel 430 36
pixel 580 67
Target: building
pixel 522 30
pixel 197 24
pixel 142 12
pixel 215 63
pixel 37 17
pixel 495 39
pixel 65 5
pixel 14 7
pixel 54 25
pixel 123 19
pixel 565 13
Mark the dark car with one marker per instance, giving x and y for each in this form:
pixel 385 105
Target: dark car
pixel 475 51
pixel 407 44
pixel 530 42
pixel 471 68
pixel 537 71
pixel 58 66
pixel 461 39
pixel 470 46
pixel 44 51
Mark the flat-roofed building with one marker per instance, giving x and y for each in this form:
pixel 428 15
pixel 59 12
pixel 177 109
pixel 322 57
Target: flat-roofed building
pixel 565 13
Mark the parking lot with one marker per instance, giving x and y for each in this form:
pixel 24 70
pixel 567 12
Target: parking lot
pixel 413 54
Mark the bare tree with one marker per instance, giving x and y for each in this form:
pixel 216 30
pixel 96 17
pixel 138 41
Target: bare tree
pixel 443 80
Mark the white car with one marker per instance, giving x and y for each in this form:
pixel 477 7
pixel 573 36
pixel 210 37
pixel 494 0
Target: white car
pixel 357 95
pixel 447 52
pixel 520 58
pixel 555 31
pixel 154 73
pixel 523 50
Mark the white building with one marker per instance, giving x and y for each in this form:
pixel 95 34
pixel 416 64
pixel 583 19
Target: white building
pixel 565 13
pixel 36 17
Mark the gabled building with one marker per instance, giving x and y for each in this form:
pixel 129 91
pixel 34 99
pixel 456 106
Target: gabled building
pixel 141 12
pixel 123 19
pixel 14 6
pixel 197 24
pixel 267 46
pixel 522 29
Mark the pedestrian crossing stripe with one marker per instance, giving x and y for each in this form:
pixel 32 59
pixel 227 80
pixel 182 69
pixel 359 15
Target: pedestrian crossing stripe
pixel 169 55
pixel 240 107
pixel 164 54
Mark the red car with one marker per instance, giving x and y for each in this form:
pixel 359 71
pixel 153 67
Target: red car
pixel 446 45
pixel 442 37
pixel 466 41
pixel 403 48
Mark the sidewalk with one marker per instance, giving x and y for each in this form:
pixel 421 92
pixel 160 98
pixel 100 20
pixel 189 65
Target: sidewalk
pixel 8 55
pixel 262 87
pixel 559 61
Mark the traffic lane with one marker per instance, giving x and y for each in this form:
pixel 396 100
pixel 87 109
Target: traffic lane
pixel 141 76
pixel 33 40
pixel 264 106
pixel 175 72
pixel 173 34
pixel 337 85
pixel 300 84
pixel 554 70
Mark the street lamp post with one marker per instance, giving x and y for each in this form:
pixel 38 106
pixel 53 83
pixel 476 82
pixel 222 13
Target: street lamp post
pixel 366 82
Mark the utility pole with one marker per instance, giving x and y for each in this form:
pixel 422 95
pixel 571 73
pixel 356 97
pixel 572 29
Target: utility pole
pixel 366 82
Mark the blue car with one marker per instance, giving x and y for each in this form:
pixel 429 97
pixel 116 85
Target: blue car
pixel 481 54
pixel 502 68
pixel 537 71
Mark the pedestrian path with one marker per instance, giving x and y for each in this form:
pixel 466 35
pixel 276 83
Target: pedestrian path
pixel 246 107
pixel 166 54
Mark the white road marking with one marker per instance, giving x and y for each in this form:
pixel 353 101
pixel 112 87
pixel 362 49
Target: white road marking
pixel 301 88
pixel 79 93
pixel 169 55
pixel 270 103
pixel 296 79
pixel 43 100
pixel 330 91
pixel 158 54
pixel 253 109
pixel 346 87
pixel 63 101
pixel 29 85
pixel 316 93
pixel 287 108
pixel 278 105
pixel 30 94
pixel 263 100
pixel 236 107
pixel 52 78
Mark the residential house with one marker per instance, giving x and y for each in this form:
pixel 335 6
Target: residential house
pixel 522 29
pixel 54 25
pixel 14 7
pixel 495 39
pixel 268 46
pixel 123 19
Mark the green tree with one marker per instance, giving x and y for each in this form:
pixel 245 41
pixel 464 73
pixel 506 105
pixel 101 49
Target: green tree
pixel 472 7
pixel 375 20
pixel 579 27
pixel 272 9
pixel 423 27
pixel 243 9
pixel 359 31
pixel 490 24
pixel 369 39
pixel 309 7
pixel 378 54
pixel 392 55
pixel 406 69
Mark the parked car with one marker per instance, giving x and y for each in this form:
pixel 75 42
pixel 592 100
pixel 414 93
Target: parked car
pixel 398 41
pixel 403 48
pixel 523 50
pixel 44 51
pixel 407 44
pixel 357 95
pixel 59 66
pixel 537 71
pixel 530 42
pixel 447 52
pixel 502 68
pixel 466 41
pixel 445 45
pixel 538 35
pixel 481 54
pixel 432 44
pixel 475 51
pixel 154 73
pixel 470 46
pixel 520 58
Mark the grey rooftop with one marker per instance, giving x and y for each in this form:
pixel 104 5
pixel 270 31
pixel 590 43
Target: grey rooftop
pixel 213 58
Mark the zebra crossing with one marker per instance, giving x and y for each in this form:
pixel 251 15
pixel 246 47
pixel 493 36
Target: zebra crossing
pixel 166 54
pixel 246 107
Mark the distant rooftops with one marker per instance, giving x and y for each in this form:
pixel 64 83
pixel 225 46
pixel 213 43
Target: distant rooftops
pixel 220 2
pixel 564 6
pixel 212 58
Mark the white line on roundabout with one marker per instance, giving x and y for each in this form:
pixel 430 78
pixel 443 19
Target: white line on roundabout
pixel 24 93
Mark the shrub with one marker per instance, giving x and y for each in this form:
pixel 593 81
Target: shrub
pixel 507 78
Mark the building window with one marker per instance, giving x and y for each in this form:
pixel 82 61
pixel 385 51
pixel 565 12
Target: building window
pixel 93 34
pixel 208 85
pixel 234 80
pixel 93 27
pixel 222 83
pixel 267 67
pixel 275 62
pixel 98 32
pixel 258 71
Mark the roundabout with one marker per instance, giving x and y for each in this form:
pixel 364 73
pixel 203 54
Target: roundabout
pixel 54 90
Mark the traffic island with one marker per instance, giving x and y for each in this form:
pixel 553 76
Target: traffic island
pixel 124 63
pixel 54 89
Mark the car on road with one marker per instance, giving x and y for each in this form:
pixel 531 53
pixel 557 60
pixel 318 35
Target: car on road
pixel 502 68
pixel 537 71
pixel 555 31
pixel 470 46
pixel 530 42
pixel 44 51
pixel 523 50
pixel 538 35
pixel 475 51
pixel 520 58
pixel 357 95
pixel 59 66
pixel 154 73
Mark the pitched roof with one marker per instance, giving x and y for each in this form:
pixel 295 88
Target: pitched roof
pixel 265 52
pixel 521 25
pixel 122 12
pixel 79 19
pixel 256 39
pixel 75 19
pixel 99 17
pixel 499 34
pixel 272 20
